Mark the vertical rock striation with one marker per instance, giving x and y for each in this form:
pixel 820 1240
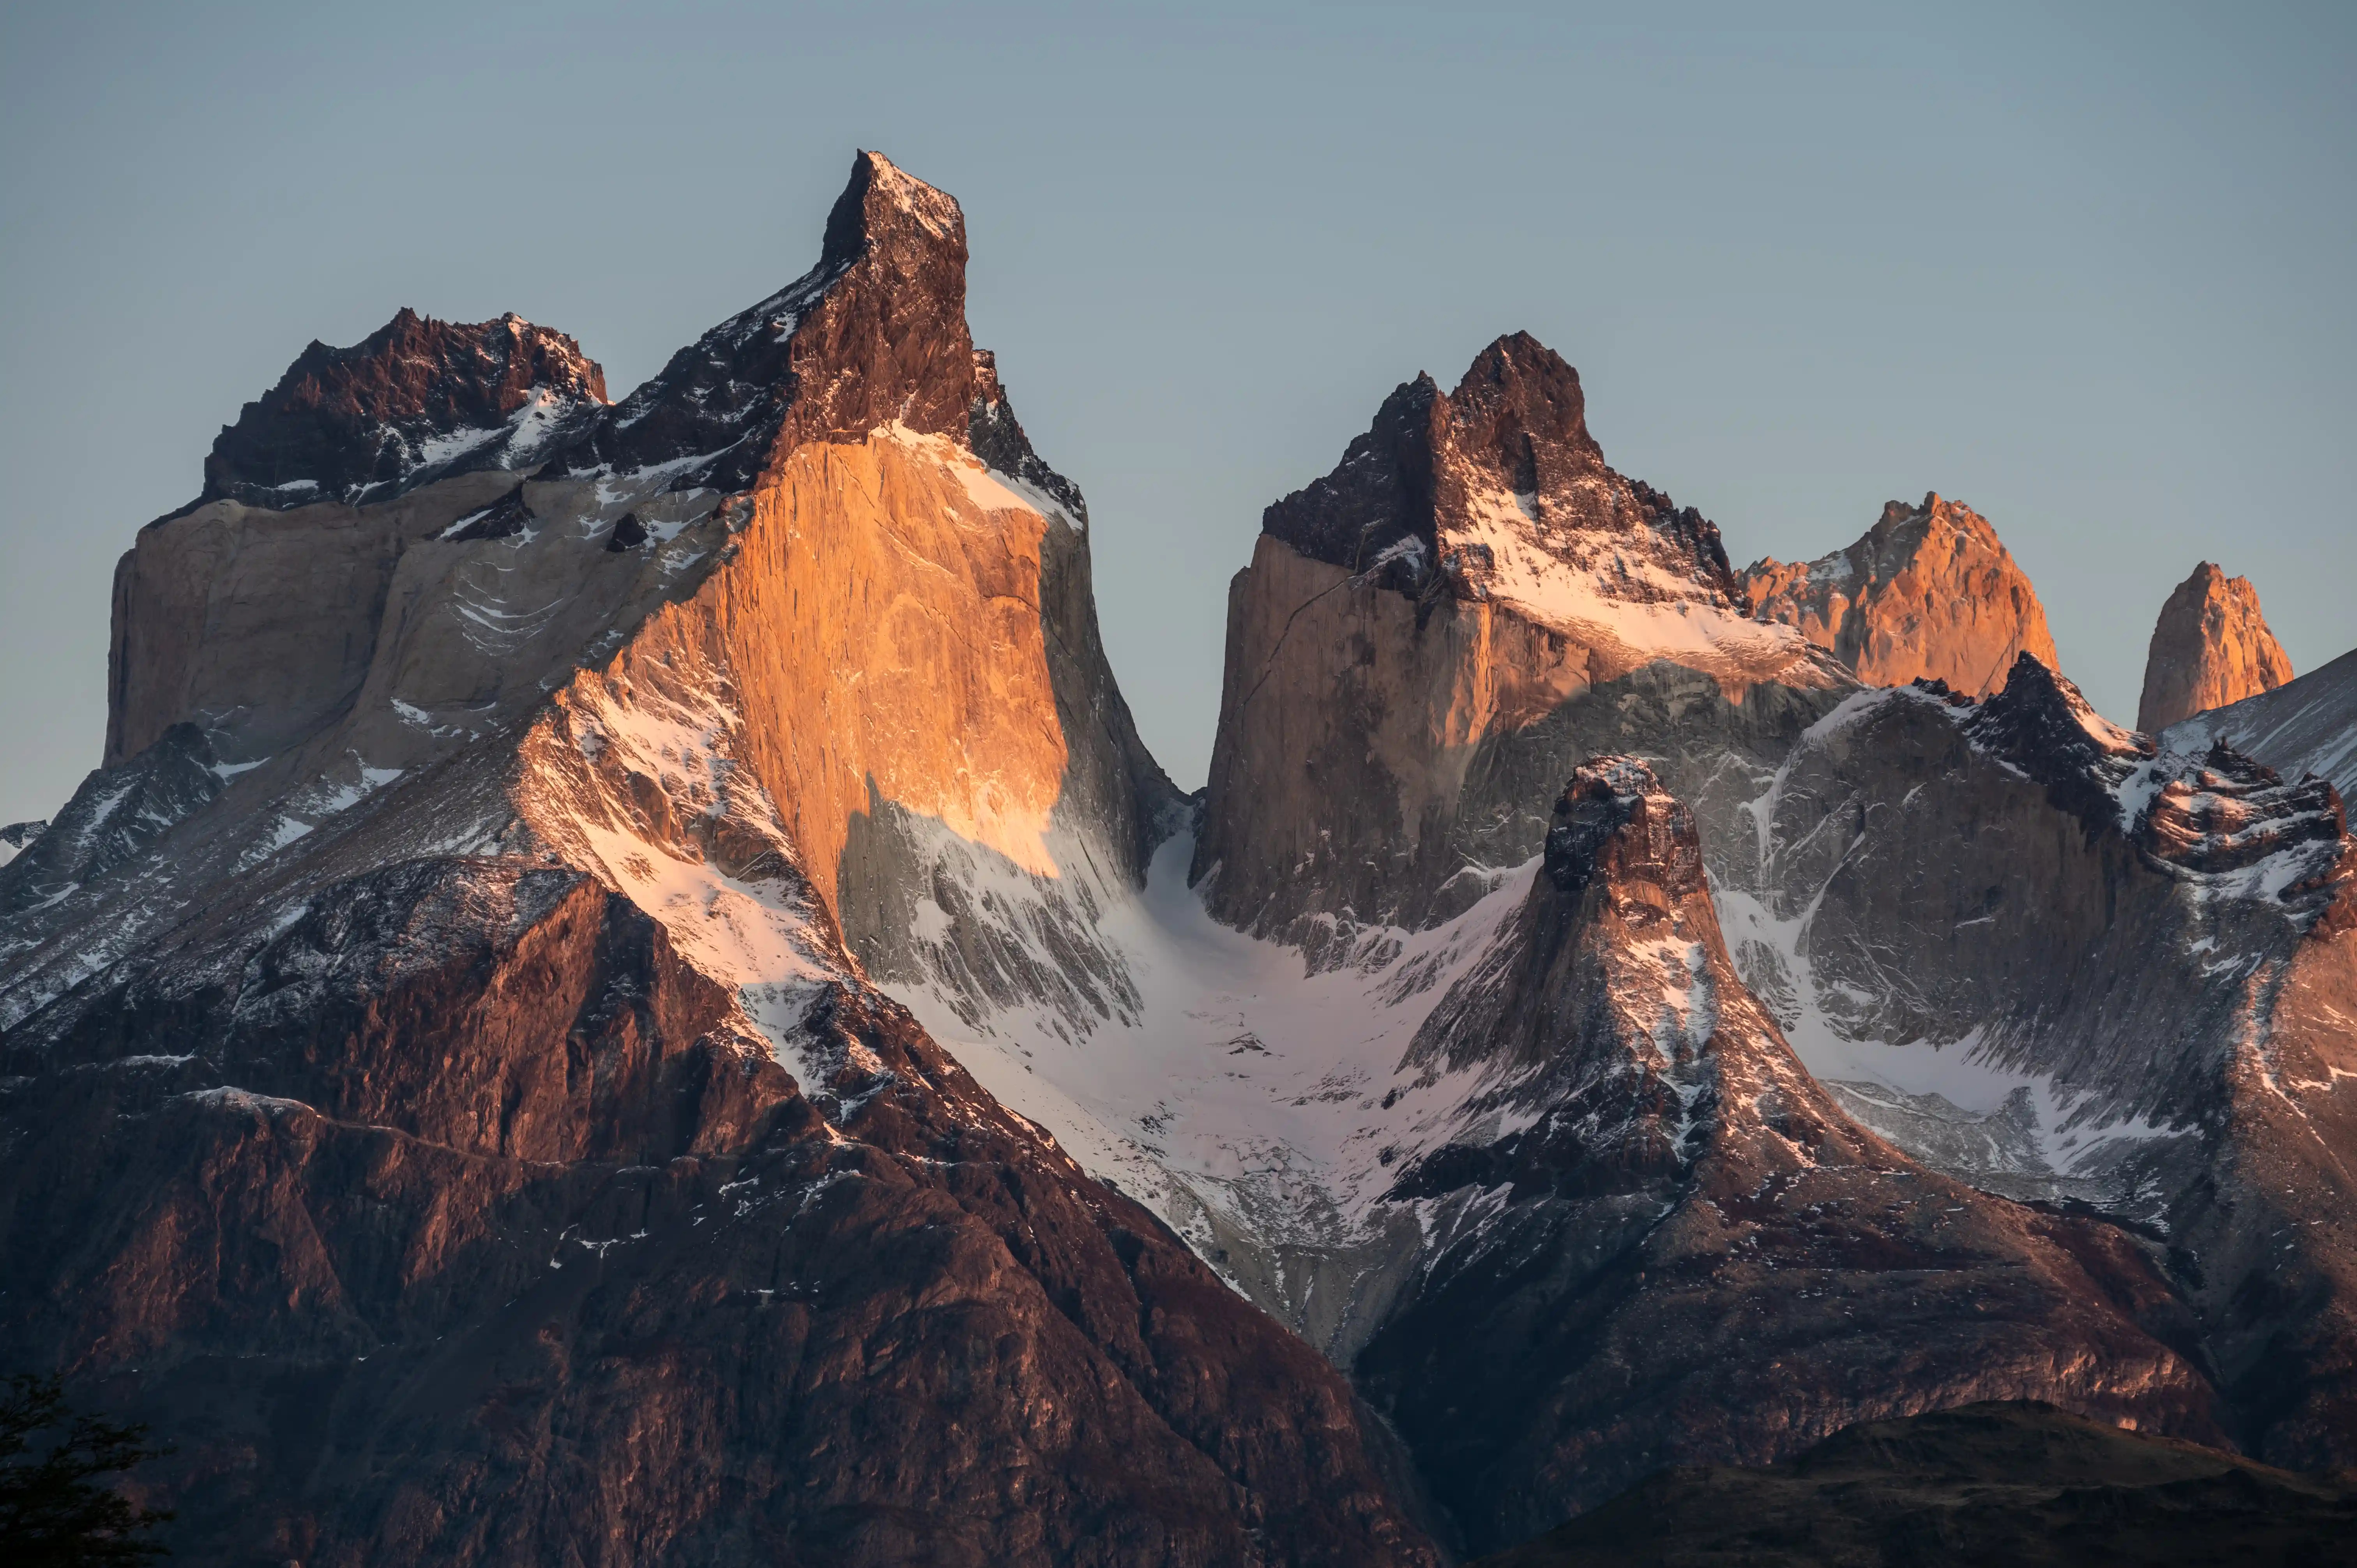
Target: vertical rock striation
pixel 1928 592
pixel 2210 647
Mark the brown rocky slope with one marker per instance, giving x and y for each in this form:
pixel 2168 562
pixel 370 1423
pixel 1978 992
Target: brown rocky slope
pixel 2140 952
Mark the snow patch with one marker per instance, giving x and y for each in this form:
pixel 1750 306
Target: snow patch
pixel 1612 588
pixel 757 934
pixel 1276 1099
pixel 986 486
pixel 1772 955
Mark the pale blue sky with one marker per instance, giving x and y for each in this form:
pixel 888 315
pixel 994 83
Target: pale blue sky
pixel 2087 268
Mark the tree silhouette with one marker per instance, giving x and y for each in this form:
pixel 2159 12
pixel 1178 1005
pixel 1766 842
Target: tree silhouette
pixel 52 1513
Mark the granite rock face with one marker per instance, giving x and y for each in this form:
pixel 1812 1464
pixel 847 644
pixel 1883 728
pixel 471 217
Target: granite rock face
pixel 1928 592
pixel 1347 1084
pixel 2209 648
pixel 446 1083
pixel 1469 605
pixel 460 1220
pixel 626 991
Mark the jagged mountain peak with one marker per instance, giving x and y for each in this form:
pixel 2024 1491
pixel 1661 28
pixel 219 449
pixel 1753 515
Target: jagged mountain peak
pixel 875 334
pixel 1646 1166
pixel 554 807
pixel 1520 403
pixel 1495 492
pixel 1616 821
pixel 1933 507
pixel 1473 569
pixel 884 207
pixel 1613 966
pixel 1431 461
pixel 1929 592
pixel 415 400
pixel 2042 713
pixel 2040 725
pixel 2210 646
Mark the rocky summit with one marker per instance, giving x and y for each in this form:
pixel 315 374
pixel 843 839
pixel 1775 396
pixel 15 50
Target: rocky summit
pixel 625 990
pixel 2209 648
pixel 1928 593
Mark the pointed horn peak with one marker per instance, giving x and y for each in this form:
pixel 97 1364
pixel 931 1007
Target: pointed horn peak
pixel 884 206
pixel 1519 396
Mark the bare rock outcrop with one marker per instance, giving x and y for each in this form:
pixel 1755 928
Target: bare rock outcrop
pixel 1436 632
pixel 1928 592
pixel 1691 1250
pixel 416 399
pixel 2210 647
pixel 17 837
pixel 450 1081
pixel 2308 725
pixel 460 1220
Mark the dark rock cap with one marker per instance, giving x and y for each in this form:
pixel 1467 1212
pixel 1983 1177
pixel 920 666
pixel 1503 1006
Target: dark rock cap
pixel 2042 725
pixel 1615 821
pixel 342 420
pixel 1518 422
pixel 875 333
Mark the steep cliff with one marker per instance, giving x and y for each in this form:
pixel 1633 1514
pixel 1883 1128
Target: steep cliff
pixel 625 989
pixel 444 1088
pixel 1928 592
pixel 2210 647
pixel 1439 629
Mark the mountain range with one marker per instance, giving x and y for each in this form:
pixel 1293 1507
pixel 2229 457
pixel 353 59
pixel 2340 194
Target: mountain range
pixel 626 989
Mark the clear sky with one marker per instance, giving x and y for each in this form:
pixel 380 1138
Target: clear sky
pixel 2088 269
